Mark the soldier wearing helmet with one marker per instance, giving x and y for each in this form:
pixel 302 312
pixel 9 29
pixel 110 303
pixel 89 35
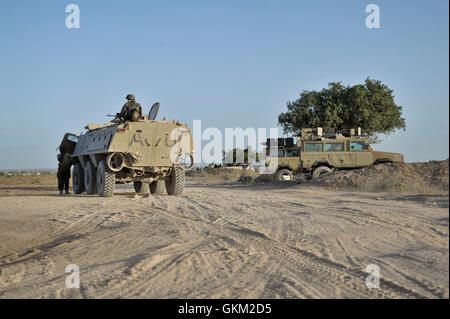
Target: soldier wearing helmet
pixel 131 111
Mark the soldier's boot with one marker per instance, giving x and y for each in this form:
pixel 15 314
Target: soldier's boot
pixel 60 193
pixel 67 193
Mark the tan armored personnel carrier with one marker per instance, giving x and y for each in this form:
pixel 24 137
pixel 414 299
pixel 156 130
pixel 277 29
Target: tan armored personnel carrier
pixel 318 151
pixel 153 154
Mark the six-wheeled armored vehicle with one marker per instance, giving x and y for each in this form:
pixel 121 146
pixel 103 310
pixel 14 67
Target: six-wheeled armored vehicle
pixel 153 154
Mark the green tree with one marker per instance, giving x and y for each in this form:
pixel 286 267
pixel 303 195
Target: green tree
pixel 370 106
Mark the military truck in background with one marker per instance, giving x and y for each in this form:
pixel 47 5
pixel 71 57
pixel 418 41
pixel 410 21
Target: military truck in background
pixel 318 151
pixel 153 154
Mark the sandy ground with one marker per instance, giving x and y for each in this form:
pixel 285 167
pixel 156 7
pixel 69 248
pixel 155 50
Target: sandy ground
pixel 223 241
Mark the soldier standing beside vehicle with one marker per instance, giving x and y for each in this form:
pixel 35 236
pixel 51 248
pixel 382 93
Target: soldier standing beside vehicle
pixel 65 163
pixel 127 110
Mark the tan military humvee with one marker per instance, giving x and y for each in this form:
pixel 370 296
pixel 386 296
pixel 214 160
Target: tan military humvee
pixel 153 154
pixel 320 152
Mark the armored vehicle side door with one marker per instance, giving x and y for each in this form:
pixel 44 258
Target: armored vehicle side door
pixel 154 142
pixel 293 158
pixel 360 153
pixel 141 142
pixel 275 157
pixel 337 154
pixel 69 142
pixel 312 152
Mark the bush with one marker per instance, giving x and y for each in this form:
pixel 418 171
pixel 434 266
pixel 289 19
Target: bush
pixel 425 177
pixel 247 180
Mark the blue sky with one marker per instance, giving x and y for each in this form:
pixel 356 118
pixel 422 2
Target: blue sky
pixel 227 63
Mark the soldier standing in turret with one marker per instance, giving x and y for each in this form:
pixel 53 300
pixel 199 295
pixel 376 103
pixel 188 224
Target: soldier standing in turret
pixel 131 111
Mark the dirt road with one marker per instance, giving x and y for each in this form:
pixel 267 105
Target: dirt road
pixel 223 241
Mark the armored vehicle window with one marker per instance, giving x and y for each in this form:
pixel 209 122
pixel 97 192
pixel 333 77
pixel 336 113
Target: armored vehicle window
pixel 277 153
pixel 72 138
pixel 334 147
pixel 358 146
pixel 313 147
pixel 292 153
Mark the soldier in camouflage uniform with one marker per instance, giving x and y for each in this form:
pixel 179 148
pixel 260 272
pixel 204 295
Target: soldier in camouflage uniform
pixel 127 110
pixel 65 163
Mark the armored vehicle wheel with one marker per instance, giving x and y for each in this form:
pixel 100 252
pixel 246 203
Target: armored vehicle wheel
pixel 78 179
pixel 106 180
pixel 90 178
pixel 284 175
pixel 157 187
pixel 141 187
pixel 319 171
pixel 175 182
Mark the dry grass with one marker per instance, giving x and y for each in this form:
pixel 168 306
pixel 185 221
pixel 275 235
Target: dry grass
pixel 419 178
pixel 219 175
pixel 19 184
pixel 416 178
pixel 48 179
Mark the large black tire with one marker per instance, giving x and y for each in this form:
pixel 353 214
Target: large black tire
pixel 157 187
pixel 78 178
pixel 106 180
pixel 319 171
pixel 141 188
pixel 90 178
pixel 284 175
pixel 175 182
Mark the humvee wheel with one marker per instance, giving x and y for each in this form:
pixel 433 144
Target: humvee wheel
pixel 106 180
pixel 141 187
pixel 284 175
pixel 175 182
pixel 78 179
pixel 157 187
pixel 90 178
pixel 319 171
